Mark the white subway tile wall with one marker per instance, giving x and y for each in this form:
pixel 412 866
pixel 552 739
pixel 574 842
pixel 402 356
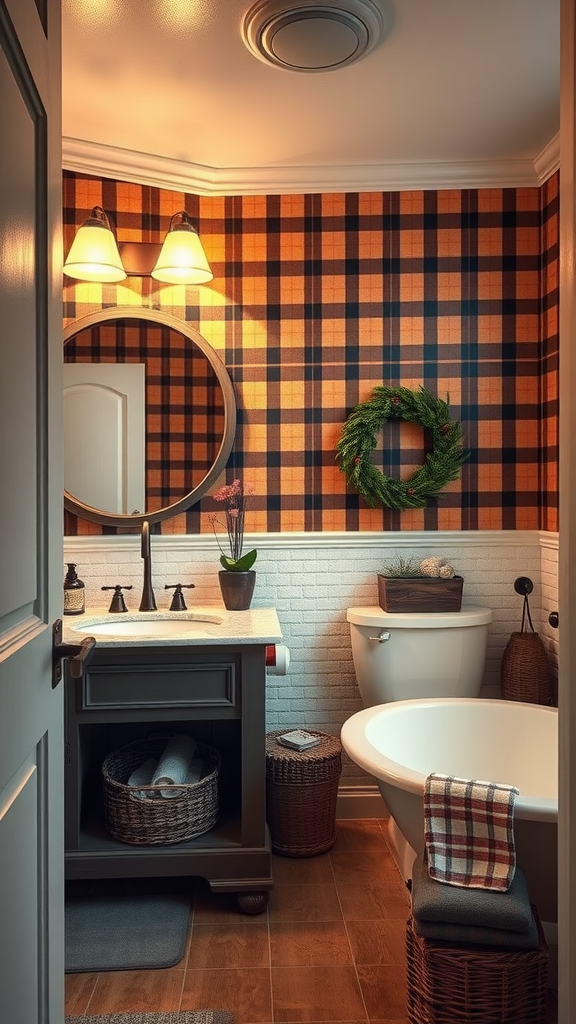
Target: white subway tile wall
pixel 549 582
pixel 312 579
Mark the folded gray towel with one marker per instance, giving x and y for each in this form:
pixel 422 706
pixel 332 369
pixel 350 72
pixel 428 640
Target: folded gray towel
pixel 433 901
pixel 469 935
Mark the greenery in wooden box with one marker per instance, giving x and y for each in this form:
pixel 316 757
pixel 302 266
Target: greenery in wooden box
pixel 427 586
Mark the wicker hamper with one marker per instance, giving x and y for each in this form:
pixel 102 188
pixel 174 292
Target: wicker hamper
pixel 301 791
pixel 453 984
pixel 525 671
pixel 157 821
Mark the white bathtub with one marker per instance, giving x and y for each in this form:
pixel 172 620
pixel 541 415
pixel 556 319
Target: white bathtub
pixel 402 742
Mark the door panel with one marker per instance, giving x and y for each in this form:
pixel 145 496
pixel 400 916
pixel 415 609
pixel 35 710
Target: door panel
pixel 105 435
pixel 18 845
pixel 31 745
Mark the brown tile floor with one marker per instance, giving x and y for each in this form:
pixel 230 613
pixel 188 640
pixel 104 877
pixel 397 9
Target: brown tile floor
pixel 330 947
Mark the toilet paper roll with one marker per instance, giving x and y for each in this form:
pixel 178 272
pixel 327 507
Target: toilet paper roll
pixel 278 665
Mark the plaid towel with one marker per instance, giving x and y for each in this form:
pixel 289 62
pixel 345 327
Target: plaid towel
pixel 469 831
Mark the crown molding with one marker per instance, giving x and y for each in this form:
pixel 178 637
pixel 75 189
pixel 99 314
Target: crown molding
pixel 548 160
pixel 162 172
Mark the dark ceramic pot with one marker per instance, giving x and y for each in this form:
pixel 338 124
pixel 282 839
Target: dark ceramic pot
pixel 237 589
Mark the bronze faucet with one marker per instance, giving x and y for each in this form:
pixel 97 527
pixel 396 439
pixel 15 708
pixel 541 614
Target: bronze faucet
pixel 148 602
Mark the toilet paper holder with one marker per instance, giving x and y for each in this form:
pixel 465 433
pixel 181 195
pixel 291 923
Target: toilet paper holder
pixel 277 659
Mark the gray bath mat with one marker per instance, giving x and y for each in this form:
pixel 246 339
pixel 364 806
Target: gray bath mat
pixel 185 1017
pixel 125 932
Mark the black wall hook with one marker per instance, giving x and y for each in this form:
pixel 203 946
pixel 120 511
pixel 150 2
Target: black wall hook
pixel 523 585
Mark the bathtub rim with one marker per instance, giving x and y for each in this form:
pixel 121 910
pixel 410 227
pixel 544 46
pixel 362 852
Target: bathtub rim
pixel 394 773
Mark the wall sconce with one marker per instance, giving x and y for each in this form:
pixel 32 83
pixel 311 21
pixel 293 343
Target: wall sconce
pixel 94 253
pixel 180 259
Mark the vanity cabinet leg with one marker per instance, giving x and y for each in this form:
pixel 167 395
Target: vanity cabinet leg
pixel 252 902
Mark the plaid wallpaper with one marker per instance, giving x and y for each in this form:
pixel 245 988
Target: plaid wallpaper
pixel 316 299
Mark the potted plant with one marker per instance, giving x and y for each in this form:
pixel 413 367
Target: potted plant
pixel 237 577
pixel 405 585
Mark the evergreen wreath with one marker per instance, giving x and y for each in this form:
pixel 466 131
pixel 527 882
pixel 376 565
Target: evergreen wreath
pixel 358 440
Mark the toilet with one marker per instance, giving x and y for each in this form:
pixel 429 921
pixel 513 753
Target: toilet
pixel 398 656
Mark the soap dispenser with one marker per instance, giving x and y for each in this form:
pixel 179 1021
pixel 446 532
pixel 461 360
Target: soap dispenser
pixel 74 592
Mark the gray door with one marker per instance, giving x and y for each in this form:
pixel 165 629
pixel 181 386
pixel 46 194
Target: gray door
pixel 31 746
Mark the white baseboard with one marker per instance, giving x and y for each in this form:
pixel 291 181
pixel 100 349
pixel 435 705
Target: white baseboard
pixel 360 802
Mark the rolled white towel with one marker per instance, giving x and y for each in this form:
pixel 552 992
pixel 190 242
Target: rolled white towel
pixel 141 777
pixel 174 764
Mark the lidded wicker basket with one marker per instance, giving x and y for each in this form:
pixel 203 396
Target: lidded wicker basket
pixel 133 818
pixel 453 984
pixel 301 792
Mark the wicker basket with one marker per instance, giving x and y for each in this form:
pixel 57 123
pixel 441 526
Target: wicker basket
pixel 157 821
pixel 301 791
pixel 525 672
pixel 452 984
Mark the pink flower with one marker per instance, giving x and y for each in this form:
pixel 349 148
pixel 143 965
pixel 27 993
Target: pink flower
pixel 233 497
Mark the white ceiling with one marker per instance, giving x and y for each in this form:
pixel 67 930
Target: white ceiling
pixel 165 92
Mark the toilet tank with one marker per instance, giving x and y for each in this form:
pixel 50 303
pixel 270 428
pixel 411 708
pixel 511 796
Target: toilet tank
pixel 398 656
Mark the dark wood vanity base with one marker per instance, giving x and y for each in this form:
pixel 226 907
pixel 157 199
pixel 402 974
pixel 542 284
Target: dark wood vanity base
pixel 217 695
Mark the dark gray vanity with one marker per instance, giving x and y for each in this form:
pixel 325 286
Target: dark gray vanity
pixel 209 686
pixel 209 679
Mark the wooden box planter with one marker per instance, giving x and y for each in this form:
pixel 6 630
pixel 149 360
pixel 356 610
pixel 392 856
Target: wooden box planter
pixel 420 594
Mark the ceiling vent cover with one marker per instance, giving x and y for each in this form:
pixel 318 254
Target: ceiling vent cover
pixel 318 36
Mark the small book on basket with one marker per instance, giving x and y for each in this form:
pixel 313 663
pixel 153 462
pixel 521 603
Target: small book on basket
pixel 298 739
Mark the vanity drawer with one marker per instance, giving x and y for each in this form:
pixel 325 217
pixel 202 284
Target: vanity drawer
pixel 145 684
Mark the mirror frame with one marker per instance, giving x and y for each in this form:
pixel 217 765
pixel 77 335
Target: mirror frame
pixel 95 515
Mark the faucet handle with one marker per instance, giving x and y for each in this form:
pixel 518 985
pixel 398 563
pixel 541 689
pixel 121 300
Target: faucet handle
pixel 178 603
pixel 118 603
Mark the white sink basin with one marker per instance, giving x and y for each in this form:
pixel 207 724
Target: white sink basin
pixel 147 625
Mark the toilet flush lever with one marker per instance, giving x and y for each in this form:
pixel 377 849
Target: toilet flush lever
pixel 382 637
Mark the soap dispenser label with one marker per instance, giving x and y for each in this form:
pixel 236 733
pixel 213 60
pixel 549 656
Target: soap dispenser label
pixel 73 602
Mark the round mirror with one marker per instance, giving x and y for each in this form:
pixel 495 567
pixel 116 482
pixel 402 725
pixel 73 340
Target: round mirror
pixel 149 416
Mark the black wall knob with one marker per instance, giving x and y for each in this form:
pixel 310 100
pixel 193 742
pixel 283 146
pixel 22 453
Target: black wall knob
pixel 523 585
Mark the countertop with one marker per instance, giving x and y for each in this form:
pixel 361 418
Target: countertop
pixel 207 624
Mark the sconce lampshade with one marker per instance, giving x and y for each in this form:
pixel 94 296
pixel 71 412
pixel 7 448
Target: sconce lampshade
pixel 182 259
pixel 94 253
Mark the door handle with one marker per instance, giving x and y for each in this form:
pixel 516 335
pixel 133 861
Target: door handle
pixel 78 654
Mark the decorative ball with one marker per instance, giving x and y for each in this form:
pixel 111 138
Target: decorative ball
pixel 431 566
pixel 446 572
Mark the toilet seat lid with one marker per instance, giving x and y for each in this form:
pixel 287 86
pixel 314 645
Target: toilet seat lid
pixel 374 615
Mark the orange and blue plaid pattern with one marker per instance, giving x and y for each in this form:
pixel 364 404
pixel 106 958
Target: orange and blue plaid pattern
pixel 318 298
